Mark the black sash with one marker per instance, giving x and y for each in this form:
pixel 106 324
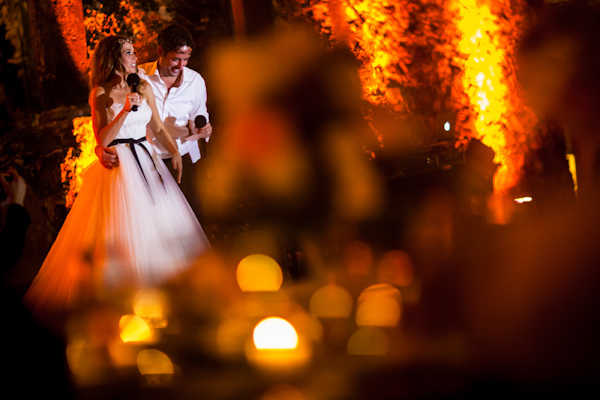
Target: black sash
pixel 132 143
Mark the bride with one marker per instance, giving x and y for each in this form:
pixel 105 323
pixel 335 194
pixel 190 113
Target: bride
pixel 130 226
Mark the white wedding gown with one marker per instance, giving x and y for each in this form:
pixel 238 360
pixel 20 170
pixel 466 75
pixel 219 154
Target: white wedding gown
pixel 125 230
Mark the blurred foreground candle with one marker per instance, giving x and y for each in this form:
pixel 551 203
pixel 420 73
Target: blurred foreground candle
pixel 232 335
pixel 156 366
pixel 152 306
pixel 259 273
pixel 283 391
pixel 369 341
pixel 275 333
pixel 331 301
pixel 396 268
pixel 135 329
pixel 379 305
pixel 276 346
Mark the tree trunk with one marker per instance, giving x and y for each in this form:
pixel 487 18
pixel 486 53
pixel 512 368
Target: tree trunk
pixel 58 38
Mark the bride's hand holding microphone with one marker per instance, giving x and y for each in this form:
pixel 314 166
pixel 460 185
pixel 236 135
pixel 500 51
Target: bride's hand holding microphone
pixel 132 102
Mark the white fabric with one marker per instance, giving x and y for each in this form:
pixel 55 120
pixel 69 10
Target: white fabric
pixel 177 107
pixel 123 231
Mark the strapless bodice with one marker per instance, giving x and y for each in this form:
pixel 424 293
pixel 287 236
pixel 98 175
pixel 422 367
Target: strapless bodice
pixel 135 124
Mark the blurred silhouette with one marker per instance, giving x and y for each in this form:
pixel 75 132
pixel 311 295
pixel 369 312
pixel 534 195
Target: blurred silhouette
pixel 558 67
pixel 12 238
pixel 34 358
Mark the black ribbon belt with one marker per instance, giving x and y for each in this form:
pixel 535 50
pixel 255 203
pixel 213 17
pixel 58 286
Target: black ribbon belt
pixel 132 143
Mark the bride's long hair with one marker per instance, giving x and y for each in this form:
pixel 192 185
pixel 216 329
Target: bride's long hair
pixel 106 59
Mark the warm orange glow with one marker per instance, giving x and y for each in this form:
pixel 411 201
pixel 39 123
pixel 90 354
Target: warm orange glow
pixel 358 258
pixel 135 329
pixel 263 303
pixel 154 362
pixel 141 24
pixel 368 341
pixel 73 165
pixel 277 347
pixel 396 268
pixel 331 301
pixel 72 31
pixel 573 169
pixel 525 199
pixel 275 333
pixel 486 55
pixel 279 361
pixel 259 273
pixel 477 36
pixel 379 31
pixel 283 391
pixel 379 305
pixel 232 335
pixel 152 306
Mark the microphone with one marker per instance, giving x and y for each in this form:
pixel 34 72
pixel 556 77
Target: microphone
pixel 133 80
pixel 200 121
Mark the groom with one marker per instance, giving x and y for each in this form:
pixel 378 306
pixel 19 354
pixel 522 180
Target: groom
pixel 180 94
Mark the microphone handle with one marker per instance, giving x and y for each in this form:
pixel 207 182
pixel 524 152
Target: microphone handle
pixel 134 90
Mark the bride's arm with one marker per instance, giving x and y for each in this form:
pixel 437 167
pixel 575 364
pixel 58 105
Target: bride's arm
pixel 160 132
pixel 104 131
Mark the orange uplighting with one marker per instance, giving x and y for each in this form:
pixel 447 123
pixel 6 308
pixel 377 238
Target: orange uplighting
pixel 72 31
pixel 74 164
pixel 486 55
pixel 469 66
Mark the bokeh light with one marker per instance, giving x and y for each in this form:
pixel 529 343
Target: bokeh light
pixel 379 305
pixel 283 391
pixel 369 341
pixel 152 306
pixel 263 304
pixel 259 273
pixel 358 258
pixel 232 335
pixel 275 333
pixel 154 362
pixel 396 268
pixel 277 348
pixel 331 301
pixel 135 329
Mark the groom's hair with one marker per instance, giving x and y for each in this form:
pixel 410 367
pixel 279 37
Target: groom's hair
pixel 174 36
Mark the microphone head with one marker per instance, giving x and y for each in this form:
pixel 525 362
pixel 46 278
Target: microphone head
pixel 200 121
pixel 133 79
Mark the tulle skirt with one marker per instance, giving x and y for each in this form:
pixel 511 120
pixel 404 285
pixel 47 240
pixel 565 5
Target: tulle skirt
pixel 125 230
